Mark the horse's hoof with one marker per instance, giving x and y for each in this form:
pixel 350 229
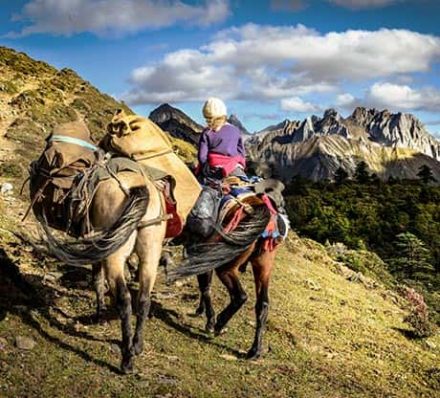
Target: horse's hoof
pixel 99 319
pixel 209 329
pixel 127 366
pixel 253 354
pixel 199 311
pixel 138 347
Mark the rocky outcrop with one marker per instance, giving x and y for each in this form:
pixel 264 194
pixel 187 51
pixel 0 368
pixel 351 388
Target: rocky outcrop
pixel 391 144
pixel 400 130
pixel 233 119
pixel 180 125
pixel 177 123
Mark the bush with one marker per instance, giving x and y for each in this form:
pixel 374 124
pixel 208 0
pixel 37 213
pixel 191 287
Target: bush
pixel 9 169
pixel 418 317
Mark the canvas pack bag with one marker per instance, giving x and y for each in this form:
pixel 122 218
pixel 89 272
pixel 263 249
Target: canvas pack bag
pixel 68 153
pixel 144 141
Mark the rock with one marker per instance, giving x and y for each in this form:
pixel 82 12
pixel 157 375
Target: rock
pixel 6 189
pixel 53 276
pixel 311 284
pixel 3 343
pixel 229 357
pixel 25 343
pixel 177 123
pixel 431 344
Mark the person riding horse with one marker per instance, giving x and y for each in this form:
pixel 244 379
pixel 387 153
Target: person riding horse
pixel 221 151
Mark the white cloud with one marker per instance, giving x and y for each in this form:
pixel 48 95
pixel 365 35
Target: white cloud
pixel 394 96
pixel 264 63
pixel 113 17
pixel 297 104
pixel 361 4
pixel 345 100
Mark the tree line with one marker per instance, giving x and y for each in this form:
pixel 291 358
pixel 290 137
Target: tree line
pixel 397 219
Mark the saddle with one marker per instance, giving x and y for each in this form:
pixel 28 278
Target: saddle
pixel 224 203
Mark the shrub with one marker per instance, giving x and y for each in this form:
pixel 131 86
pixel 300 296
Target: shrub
pixel 418 317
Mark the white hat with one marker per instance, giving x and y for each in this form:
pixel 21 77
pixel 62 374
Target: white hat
pixel 214 107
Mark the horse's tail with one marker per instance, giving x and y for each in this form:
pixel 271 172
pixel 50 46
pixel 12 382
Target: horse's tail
pixel 204 257
pixel 99 246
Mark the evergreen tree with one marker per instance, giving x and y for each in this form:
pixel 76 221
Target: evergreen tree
pixel 425 174
pixel 340 176
pixel 413 260
pixel 361 174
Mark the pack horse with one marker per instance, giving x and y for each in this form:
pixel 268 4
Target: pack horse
pixel 114 207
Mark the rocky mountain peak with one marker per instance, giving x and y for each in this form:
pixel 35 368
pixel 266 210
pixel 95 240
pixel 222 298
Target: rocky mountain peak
pixel 177 123
pixel 331 113
pixel 318 146
pixel 233 119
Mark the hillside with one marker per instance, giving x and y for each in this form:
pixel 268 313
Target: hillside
pixel 34 97
pixel 332 332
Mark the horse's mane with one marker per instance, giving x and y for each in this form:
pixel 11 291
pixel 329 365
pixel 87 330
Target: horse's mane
pixel 204 257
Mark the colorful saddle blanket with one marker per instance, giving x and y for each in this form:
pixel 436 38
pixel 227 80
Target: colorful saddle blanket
pixel 278 226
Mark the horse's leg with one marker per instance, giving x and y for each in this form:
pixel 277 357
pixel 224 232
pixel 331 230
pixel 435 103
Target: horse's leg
pixel 237 294
pixel 205 281
pixel 114 269
pixel 262 267
pixel 149 250
pixel 228 275
pixel 100 289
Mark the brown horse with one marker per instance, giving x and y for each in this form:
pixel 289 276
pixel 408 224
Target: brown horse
pixel 132 222
pixel 227 254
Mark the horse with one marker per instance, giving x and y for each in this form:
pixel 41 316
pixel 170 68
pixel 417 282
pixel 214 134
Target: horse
pixel 227 252
pixel 128 209
pixel 123 206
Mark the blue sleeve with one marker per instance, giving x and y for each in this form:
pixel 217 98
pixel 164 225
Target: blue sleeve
pixel 202 154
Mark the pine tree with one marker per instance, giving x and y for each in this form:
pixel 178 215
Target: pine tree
pixel 425 174
pixel 361 174
pixel 413 259
pixel 340 176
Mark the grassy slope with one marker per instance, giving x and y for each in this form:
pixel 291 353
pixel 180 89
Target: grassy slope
pixel 327 337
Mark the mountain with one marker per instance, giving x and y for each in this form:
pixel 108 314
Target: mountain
pixel 34 97
pixel 180 125
pixel 234 120
pixel 176 123
pixel 391 144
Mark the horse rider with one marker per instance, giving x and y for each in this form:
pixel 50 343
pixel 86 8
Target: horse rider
pixel 221 151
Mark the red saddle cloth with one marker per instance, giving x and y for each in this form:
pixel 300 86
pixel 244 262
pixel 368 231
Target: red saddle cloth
pixel 174 223
pixel 269 242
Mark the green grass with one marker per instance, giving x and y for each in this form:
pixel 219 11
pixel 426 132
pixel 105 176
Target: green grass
pixel 326 337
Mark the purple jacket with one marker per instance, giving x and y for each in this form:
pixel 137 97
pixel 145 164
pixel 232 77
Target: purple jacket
pixel 227 141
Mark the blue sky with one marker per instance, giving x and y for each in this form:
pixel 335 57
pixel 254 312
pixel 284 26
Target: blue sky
pixel 269 60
